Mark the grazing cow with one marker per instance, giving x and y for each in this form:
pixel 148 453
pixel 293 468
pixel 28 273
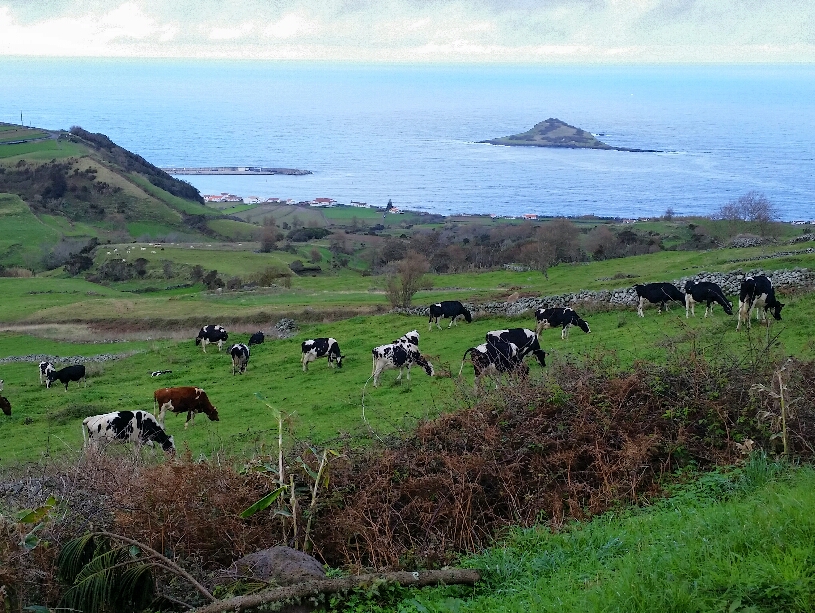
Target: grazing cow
pixel 657 293
pixel 240 357
pixel 137 427
pixel 493 358
pixel 398 355
pixel 1 385
pixel 158 373
pixel 705 291
pixel 448 308
pixel 757 294
pixel 564 317
pixel 190 400
pixel 5 405
pixel 524 339
pixel 45 368
pixel 320 348
pixel 211 334
pixel 257 338
pixel 65 375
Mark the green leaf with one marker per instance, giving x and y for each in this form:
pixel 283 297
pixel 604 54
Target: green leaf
pixel 135 552
pixel 31 540
pixel 263 503
pixel 32 517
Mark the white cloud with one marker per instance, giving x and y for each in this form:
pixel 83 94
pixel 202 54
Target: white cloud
pixel 416 30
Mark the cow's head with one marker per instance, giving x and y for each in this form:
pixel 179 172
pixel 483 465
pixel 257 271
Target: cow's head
pixel 212 413
pixel 169 446
pixel 583 325
pixel 468 317
pixel 777 310
pixel 5 405
pixel 728 307
pixel 540 355
pixel 339 359
pixel 198 341
pixel 428 367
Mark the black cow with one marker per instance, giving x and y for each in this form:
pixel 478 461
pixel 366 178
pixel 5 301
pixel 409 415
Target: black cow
pixel 5 405
pixel 524 339
pixel 321 348
pixel 67 374
pixel 757 294
pixel 257 338
pixel 211 334
pixel 565 317
pixel 137 427
pixel 240 357
pixel 657 293
pixel 398 355
pixel 45 368
pixel 448 308
pixel 493 359
pixel 705 291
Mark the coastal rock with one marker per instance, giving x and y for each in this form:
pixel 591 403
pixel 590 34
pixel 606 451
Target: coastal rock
pixel 556 133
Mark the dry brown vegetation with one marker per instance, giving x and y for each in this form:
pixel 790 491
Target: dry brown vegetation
pixel 586 438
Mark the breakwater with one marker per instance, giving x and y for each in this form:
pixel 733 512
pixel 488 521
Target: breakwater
pixel 235 170
pixel 626 297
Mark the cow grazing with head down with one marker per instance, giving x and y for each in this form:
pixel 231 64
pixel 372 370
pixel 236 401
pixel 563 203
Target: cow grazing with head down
pixel 5 405
pixel 67 374
pixel 189 400
pixel 705 291
pixel 257 338
pixel 240 357
pixel 321 348
pixel 211 334
pixel 45 368
pixel 399 355
pixel 657 293
pixel 757 294
pixel 524 339
pixel 448 308
pixel 137 427
pixel 158 373
pixel 493 359
pixel 564 317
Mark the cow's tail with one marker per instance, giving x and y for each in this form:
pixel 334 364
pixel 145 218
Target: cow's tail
pixel 84 434
pixel 464 359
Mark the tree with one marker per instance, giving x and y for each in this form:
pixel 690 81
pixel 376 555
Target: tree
pixel 315 256
pixel 407 279
pixel 753 207
pixel 669 214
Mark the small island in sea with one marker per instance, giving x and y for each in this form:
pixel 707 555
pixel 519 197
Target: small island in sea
pixel 556 133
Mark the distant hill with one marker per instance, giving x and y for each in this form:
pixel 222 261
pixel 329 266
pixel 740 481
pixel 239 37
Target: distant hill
pixel 75 186
pixel 556 133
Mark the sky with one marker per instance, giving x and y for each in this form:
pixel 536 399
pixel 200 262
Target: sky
pixel 416 31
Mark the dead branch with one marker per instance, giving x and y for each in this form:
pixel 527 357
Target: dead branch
pixel 453 576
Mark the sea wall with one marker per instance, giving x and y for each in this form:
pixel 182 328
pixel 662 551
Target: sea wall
pixel 626 297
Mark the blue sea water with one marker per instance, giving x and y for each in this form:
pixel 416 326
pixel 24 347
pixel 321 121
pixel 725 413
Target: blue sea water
pixel 409 133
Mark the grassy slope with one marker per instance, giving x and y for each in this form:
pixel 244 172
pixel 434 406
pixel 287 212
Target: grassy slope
pixel 739 542
pixel 22 235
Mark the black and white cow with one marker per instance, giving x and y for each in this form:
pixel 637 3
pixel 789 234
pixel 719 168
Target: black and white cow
pixel 657 293
pixel 257 338
pixel 410 338
pixel 448 308
pixel 493 359
pixel 137 427
pixel 524 339
pixel 158 373
pixel 399 355
pixel 321 348
pixel 564 317
pixel 757 294
pixel 5 405
pixel 705 291
pixel 211 334
pixel 45 368
pixel 240 357
pixel 66 375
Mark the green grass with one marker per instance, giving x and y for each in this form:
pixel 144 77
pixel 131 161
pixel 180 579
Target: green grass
pixel 234 230
pixel 737 542
pixel 174 202
pixel 22 297
pixel 22 236
pixel 42 150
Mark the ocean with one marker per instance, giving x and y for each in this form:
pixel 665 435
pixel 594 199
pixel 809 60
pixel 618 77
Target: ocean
pixel 410 134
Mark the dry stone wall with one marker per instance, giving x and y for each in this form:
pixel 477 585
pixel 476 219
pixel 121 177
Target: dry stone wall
pixel 626 297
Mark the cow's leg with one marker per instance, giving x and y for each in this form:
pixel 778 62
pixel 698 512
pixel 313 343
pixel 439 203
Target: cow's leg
pixel 220 344
pixel 437 322
pixel 204 345
pixel 190 418
pixel 377 371
pixel 564 333
pixel 639 307
pixel 304 361
pixel 452 321
pixel 399 378
pixel 538 327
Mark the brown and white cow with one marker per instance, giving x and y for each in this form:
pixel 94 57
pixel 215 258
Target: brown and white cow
pixel 189 400
pixel 137 427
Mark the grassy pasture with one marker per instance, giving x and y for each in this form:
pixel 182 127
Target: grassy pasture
pixel 10 132
pixel 22 235
pixel 328 402
pixel 41 150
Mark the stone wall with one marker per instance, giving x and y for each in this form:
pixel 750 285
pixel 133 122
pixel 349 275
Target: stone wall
pixel 626 297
